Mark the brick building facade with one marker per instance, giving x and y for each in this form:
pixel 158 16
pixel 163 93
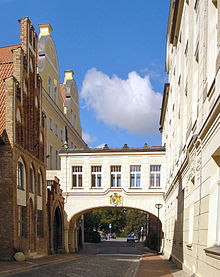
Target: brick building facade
pixel 23 211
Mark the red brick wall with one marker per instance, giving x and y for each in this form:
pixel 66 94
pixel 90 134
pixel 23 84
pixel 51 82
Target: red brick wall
pixel 22 140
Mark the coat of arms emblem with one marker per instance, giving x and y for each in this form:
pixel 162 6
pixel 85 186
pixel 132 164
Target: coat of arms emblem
pixel 115 199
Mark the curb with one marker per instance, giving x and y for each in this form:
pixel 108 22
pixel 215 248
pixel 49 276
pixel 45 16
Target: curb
pixel 39 265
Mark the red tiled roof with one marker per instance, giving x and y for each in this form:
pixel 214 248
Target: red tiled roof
pixel 62 90
pixel 6 70
pixel 6 54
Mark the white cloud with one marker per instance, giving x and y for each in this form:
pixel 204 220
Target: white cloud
pixel 129 104
pixel 100 145
pixel 87 138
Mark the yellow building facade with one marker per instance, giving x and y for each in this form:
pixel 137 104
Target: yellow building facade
pixel 60 101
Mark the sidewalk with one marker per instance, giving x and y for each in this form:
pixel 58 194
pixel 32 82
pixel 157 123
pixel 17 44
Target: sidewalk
pixel 7 267
pixel 155 266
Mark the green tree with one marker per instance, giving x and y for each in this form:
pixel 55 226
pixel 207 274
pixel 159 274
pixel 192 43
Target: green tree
pixel 134 220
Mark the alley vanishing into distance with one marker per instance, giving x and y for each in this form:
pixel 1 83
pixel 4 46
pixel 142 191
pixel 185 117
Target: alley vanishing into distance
pixel 114 258
pixel 109 258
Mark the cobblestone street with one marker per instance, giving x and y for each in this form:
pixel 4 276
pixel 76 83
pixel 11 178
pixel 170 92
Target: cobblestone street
pixel 115 258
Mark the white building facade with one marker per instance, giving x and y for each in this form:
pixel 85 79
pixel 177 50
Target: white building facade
pixel 93 178
pixel 190 126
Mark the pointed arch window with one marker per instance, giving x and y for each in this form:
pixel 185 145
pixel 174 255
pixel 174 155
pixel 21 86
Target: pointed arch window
pixel 31 181
pixel 39 184
pixel 20 175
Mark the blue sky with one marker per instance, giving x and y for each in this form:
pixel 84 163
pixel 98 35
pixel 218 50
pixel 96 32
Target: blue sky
pixel 116 49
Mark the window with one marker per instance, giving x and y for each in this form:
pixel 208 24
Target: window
pixel 56 130
pixel 57 160
pixel 49 86
pixel 155 175
pixel 51 124
pixel 39 184
pixel 71 117
pixel 77 177
pixel 21 221
pixel 55 94
pixel 31 184
pixel 75 122
pixel 51 157
pixel 61 135
pixel 135 176
pixel 20 175
pixel 40 223
pixel 116 176
pixel 96 176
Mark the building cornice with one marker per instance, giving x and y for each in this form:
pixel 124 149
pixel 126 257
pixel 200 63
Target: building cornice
pixel 164 105
pixel 105 150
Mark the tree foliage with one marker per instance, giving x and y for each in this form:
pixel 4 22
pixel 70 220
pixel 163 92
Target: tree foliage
pixel 120 219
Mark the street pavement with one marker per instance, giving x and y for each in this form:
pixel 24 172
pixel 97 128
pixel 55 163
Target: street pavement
pixel 114 258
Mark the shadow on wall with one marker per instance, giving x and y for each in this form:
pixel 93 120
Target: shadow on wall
pixel 177 247
pixel 151 232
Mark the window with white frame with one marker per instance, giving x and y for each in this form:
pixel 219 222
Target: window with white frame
pixel 20 175
pixel 155 173
pixel 31 180
pixel 55 94
pixel 77 177
pixel 115 176
pixel 51 124
pixel 51 157
pixel 49 86
pixel 57 162
pixel 96 176
pixel 135 176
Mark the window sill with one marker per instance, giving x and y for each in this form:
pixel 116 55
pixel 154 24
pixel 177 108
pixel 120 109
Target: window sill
pixel 135 187
pixel 213 252
pixel 20 188
pixel 77 188
pixel 115 187
pixel 155 187
pixel 96 188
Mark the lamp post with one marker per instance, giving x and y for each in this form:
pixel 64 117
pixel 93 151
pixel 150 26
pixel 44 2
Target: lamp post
pixel 158 207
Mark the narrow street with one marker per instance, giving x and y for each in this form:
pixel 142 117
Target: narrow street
pixel 109 258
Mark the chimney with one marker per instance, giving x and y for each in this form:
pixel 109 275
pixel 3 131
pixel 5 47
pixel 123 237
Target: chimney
pixel 45 30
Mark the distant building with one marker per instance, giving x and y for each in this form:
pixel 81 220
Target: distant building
pixel 60 102
pixel 93 178
pixel 23 211
pixel 190 126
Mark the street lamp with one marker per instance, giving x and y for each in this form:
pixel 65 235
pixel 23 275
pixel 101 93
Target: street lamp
pixel 158 207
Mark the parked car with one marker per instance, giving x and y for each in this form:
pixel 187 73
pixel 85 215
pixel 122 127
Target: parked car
pixel 131 238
